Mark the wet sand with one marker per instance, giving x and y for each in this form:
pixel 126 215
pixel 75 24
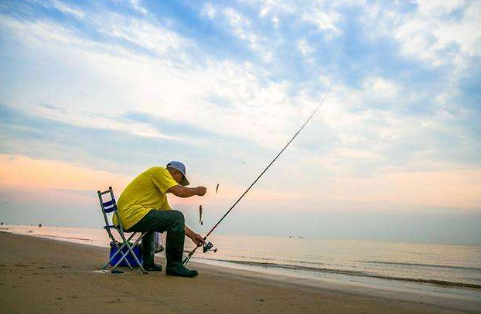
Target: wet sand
pixel 48 276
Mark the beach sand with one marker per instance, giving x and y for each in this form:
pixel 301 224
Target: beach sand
pixel 47 276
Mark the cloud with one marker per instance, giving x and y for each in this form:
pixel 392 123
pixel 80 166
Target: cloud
pixel 146 35
pixel 137 6
pixel 153 86
pixel 437 30
pixel 253 106
pixel 51 174
pixel 66 9
pixel 241 27
pixel 426 189
pixel 324 20
pixel 97 147
pixel 209 10
pixel 224 85
pixel 174 129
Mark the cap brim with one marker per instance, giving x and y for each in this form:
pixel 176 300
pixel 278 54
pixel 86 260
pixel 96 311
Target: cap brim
pixel 184 181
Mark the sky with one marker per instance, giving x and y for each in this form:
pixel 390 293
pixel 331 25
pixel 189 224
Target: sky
pixel 92 93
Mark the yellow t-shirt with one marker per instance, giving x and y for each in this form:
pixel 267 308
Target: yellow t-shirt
pixel 144 193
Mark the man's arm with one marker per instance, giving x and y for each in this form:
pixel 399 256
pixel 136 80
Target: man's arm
pixel 195 237
pixel 184 192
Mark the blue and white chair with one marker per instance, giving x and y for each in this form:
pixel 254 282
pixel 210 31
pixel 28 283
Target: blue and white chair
pixel 109 207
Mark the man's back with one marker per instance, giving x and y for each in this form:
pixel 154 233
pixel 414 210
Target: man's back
pixel 146 192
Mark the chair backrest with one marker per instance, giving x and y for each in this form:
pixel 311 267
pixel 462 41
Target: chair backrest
pixel 108 205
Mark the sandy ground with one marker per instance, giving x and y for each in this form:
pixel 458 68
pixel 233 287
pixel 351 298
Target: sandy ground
pixel 47 276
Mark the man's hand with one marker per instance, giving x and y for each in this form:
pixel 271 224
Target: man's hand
pixel 197 239
pixel 201 190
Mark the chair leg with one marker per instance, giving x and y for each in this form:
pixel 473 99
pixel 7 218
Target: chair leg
pixel 126 260
pixel 135 256
pixel 116 243
pixel 129 250
pixel 119 250
pixel 124 256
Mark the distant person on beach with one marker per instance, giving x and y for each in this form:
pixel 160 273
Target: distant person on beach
pixel 143 207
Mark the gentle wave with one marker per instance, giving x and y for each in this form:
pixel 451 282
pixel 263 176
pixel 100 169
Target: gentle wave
pixel 40 235
pixel 61 237
pixel 350 273
pixel 425 265
pixel 280 260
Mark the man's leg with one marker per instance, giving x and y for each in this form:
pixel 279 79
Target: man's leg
pixel 173 222
pixel 148 251
pixel 156 221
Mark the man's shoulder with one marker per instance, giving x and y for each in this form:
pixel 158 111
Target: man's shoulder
pixel 157 173
pixel 149 173
pixel 155 169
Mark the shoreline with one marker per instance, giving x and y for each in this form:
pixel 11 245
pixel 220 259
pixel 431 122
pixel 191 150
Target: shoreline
pixel 442 288
pixel 383 279
pixel 440 283
pixel 232 290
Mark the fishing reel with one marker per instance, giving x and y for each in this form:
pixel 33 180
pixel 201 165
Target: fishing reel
pixel 209 247
pixel 206 248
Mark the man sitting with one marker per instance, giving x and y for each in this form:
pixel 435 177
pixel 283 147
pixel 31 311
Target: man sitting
pixel 143 207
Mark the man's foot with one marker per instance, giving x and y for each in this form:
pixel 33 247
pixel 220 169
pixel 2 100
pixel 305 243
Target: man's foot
pixel 159 249
pixel 153 267
pixel 181 271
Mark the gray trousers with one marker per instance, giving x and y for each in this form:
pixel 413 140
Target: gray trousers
pixel 158 221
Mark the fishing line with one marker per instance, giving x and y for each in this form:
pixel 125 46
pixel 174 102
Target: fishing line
pixel 186 260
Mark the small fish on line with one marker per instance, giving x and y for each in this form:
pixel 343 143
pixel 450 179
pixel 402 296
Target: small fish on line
pixel 200 215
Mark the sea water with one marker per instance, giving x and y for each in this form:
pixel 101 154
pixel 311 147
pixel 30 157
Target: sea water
pixel 452 269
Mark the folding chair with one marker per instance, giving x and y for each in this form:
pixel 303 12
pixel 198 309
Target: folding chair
pixel 108 207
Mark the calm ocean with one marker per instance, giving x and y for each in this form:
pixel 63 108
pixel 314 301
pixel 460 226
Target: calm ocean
pixel 450 269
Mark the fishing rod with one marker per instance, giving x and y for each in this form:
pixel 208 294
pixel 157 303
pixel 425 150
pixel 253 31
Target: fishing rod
pixel 209 245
